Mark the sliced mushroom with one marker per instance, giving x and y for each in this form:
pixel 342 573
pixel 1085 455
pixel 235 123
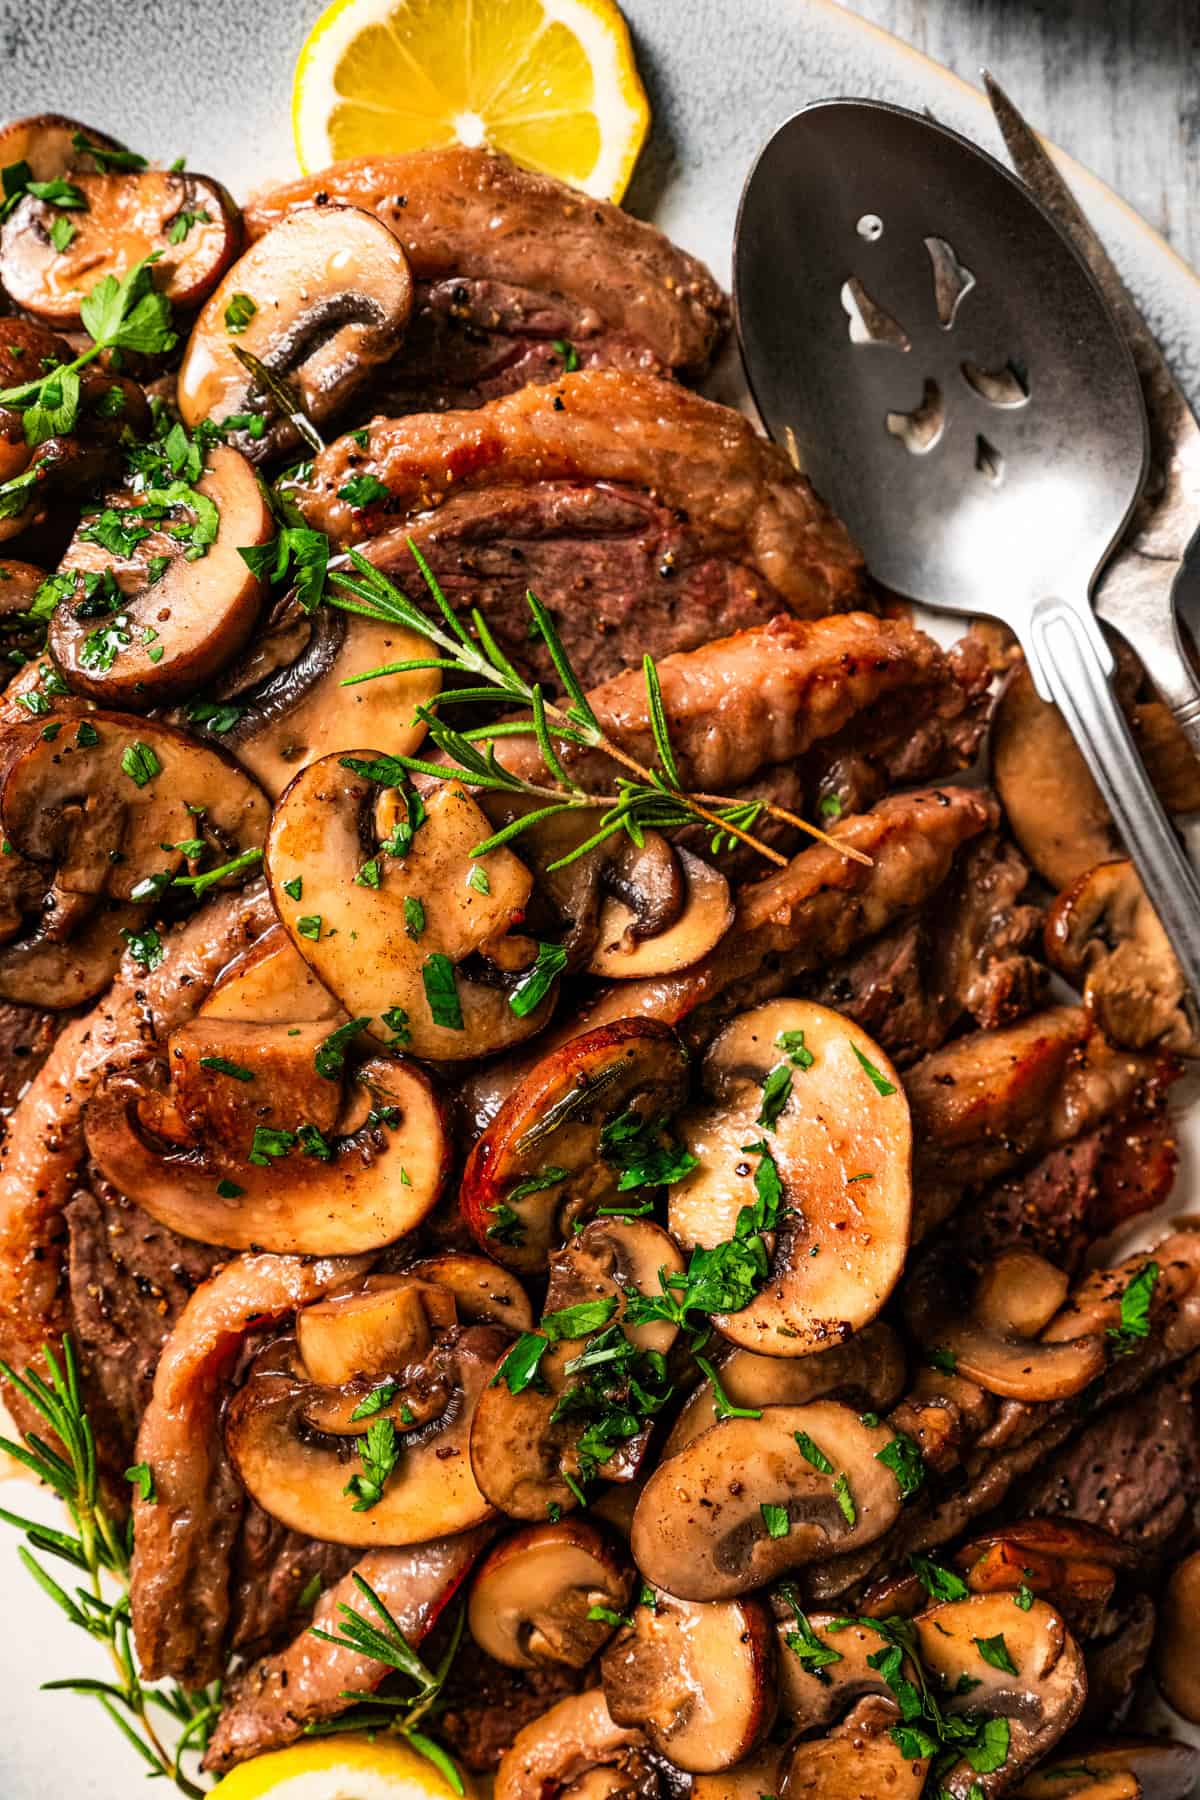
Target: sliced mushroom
pixel 748 1780
pixel 485 1293
pixel 1072 1564
pixel 186 219
pixel 319 300
pixel 549 1595
pixel 811 1699
pixel 866 1371
pixel 626 949
pixel 271 984
pixel 368 1172
pixel 993 1339
pixel 21 635
pixel 40 969
pixel 842 1143
pixel 574 1751
pixel 100 799
pixel 1177 1646
pixel 46 143
pixel 1103 935
pixel 541 1163
pixel 179 617
pixel 290 701
pixel 699 1680
pixel 299 1473
pixel 525 1447
pixel 366 944
pixel 1053 806
pixel 701 1531
pixel 1117 1769
pixel 858 1758
pixel 387 1323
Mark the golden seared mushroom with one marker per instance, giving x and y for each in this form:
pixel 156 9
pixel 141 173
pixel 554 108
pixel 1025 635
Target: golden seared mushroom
pixel 485 1293
pixel 1177 1645
pixel 557 1148
pixel 627 945
pixel 550 1595
pixel 1124 1768
pixel 1103 935
pixel 1052 804
pixel 825 1101
pixel 748 1780
pixel 995 1337
pixel 247 1135
pixel 825 1664
pixel 271 984
pixel 575 1751
pixel 35 476
pixel 19 630
pixel 867 1371
pixel 698 1679
pixel 284 703
pixel 370 1447
pixel 426 935
pixel 319 300
pixel 155 594
pixel 526 1446
pixel 52 145
pixel 859 1758
pixel 186 220
pixel 1072 1564
pixel 751 1498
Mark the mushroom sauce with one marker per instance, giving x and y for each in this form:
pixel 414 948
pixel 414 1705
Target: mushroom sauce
pixel 494 895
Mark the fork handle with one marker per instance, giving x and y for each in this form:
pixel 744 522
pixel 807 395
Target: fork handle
pixel 1073 666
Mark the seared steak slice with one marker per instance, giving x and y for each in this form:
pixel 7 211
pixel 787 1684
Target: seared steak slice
pixel 743 500
pixel 271 1569
pixel 1135 1470
pixel 487 1704
pixel 130 1279
pixel 519 260
pixel 26 1040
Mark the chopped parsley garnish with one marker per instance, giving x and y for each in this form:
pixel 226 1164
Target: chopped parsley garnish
pixel 375 1401
pixel 314 1143
pixel 776 1519
pixel 294 888
pixel 215 716
pixel 441 991
pixel 396 1020
pixel 414 917
pixel 723 1406
pixel 380 1454
pixel 229 1190
pixel 142 1477
pixel 62 234
pixel 108 161
pixel 939 1582
pixel 903 1457
pixel 813 1655
pixel 269 1144
pixel 298 554
pixel 605 1615
pixel 478 880
pixel 140 763
pixel 309 926
pixel 146 948
pixel 793 1047
pixel 568 353
pixel 845 1499
pixel 86 736
pixel 830 807
pixel 370 875
pixel 776 1092
pixel 943 1360
pixel 878 1080
pixel 536 982
pixel 995 1652
pixel 329 1058
pixel 1135 1310
pixel 183 222
pixel 811 1453
pixel 644 1152
pixel 578 1321
pixel 363 490
pixel 238 314
pixel 221 1065
pixel 1023 1597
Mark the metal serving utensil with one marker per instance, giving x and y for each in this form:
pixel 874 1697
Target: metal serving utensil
pixel 945 367
pixel 1155 574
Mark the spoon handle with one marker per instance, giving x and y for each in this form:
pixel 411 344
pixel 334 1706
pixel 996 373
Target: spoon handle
pixel 1072 666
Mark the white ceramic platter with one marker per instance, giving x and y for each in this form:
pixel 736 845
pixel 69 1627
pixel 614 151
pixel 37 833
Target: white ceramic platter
pixel 213 80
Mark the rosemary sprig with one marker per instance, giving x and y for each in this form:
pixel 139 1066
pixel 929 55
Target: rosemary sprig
pixel 647 798
pixel 97 1548
pixel 403 1715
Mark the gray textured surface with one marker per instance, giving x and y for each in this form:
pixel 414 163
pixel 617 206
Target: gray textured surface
pixel 213 79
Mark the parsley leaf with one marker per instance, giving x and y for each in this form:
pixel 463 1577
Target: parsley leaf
pixel 1135 1310
pixel 441 991
pixel 776 1092
pixel 536 982
pixel 140 763
pixel 142 1477
pixel 845 1499
pixel 813 1655
pixel 995 1652
pixel 363 490
pixel 380 1454
pixel 903 1457
pixel 878 1081
pixel 939 1582
pixel 812 1454
pixel 776 1519
pixel 221 1065
pixel 329 1058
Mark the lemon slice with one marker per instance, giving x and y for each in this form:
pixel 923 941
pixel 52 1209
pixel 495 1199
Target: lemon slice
pixel 551 82
pixel 338 1768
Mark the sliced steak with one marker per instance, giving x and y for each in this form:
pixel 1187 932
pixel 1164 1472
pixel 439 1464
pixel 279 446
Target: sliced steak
pixel 506 261
pixel 26 1040
pixel 272 1567
pixel 740 495
pixel 487 1704
pixel 1135 1470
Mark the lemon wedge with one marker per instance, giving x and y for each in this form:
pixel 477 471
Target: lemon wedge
pixel 338 1768
pixel 551 82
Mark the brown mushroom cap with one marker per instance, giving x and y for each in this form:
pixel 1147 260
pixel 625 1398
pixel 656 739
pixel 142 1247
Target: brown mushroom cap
pixel 289 687
pixel 126 218
pixel 71 801
pixel 331 293
pixel 858 1758
pixel 377 1176
pixel 554 1757
pixel 532 1595
pixel 44 970
pixel 364 947
pixel 624 951
pixel 184 626
pixel 842 1144
pixel 45 142
pixel 748 1780
pixel 300 1477
pixel 271 984
pixel 1103 935
pixel 700 1532
pixel 1117 1769
pixel 810 1704
pixel 867 1371
pixel 387 1323
pixel 994 1339
pixel 1072 1564
pixel 698 1679
pixel 617 1257
pixel 485 1293
pixel 1177 1645
pixel 540 1163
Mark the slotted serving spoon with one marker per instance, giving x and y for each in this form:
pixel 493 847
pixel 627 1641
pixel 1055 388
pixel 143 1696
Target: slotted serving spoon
pixel 944 367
